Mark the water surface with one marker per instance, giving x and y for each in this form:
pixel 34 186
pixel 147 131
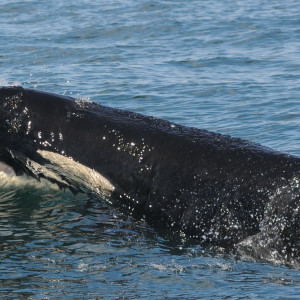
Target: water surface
pixel 227 66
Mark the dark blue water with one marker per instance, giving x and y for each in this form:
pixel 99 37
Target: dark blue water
pixel 227 66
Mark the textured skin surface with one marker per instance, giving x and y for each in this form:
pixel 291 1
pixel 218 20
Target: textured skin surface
pixel 212 187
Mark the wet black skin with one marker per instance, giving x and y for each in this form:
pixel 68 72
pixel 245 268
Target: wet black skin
pixel 210 186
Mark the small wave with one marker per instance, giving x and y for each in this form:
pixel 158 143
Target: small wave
pixel 4 82
pixel 14 183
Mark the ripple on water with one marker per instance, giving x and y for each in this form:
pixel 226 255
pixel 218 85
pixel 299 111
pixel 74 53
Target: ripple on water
pixel 227 66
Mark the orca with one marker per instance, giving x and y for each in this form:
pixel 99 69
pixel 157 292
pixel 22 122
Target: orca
pixel 217 189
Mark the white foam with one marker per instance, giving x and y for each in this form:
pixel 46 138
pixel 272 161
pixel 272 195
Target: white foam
pixel 4 82
pixel 13 183
pixel 4 168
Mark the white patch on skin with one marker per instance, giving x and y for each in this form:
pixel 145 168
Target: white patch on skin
pixel 82 174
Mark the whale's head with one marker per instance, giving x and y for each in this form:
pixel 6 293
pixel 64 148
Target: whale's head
pixel 15 125
pixel 13 112
pixel 31 120
pixel 17 102
pixel 31 113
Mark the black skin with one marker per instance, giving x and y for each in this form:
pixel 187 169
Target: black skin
pixel 211 187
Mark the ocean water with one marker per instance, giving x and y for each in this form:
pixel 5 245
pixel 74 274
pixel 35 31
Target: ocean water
pixel 228 66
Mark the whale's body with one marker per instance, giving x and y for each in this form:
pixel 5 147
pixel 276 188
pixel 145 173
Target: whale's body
pixel 212 187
